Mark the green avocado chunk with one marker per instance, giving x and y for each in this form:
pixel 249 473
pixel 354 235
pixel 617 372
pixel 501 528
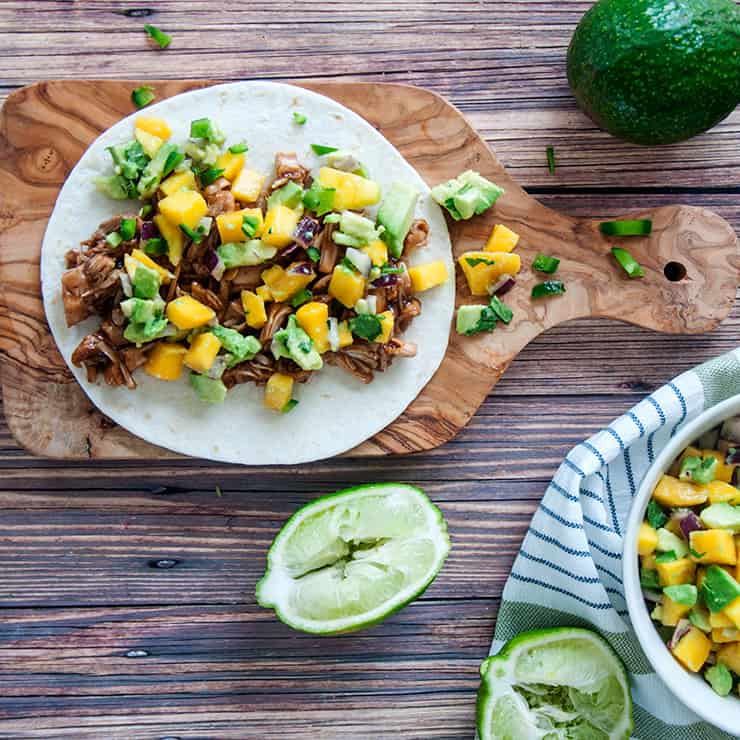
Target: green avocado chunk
pixel 396 214
pixel 467 195
pixel 721 516
pixel 719 589
pixel 209 390
pixel 240 347
pixel 657 72
pixel 293 343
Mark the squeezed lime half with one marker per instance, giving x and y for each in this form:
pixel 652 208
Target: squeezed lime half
pixel 555 684
pixel 350 559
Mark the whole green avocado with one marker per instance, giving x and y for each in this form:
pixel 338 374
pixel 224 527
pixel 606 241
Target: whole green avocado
pixel 657 71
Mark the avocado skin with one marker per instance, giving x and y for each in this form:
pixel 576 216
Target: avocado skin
pixel 657 71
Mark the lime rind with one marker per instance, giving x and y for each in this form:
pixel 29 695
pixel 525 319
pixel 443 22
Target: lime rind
pixel 523 669
pixel 342 585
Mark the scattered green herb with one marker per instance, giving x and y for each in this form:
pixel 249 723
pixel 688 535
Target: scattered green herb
pixel 366 326
pixel 299 118
pixel 239 148
pixel 548 288
pixel 196 235
pixel 174 158
pixel 114 239
pixel 543 263
pixel 127 229
pixel 313 254
pixel 628 263
pixel 636 227
pixel 320 149
pixel 162 39
pixel 695 554
pixel 698 470
pixel 501 310
pixel 249 225
pixel 551 159
pixel 155 246
pixel 301 297
pixel 473 261
pixel 289 406
pixel 146 210
pixel 142 96
pixel 649 579
pixel 347 262
pixel 666 557
pixel 209 175
pixel 656 516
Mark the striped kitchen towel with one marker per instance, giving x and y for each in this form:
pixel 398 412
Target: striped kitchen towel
pixel 568 571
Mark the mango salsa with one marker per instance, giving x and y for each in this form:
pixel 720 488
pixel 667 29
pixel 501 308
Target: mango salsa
pixel 184 207
pixel 346 286
pixel 378 252
pixel 173 236
pixel 285 283
pixel 179 181
pixel 386 325
pixel 231 164
pixel 186 312
pixel 164 275
pixel 647 539
pixel 248 186
pixel 278 391
pixel 429 275
pixel 202 352
pixel 693 649
pixel 154 126
pixel 352 191
pixel 483 269
pixel 313 318
pixel 279 226
pixel 230 225
pixel 502 239
pixel 165 361
pixel 149 143
pixel 254 309
pixel 673 492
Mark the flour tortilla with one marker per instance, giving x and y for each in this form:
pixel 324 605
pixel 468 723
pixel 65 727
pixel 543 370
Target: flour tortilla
pixel 336 412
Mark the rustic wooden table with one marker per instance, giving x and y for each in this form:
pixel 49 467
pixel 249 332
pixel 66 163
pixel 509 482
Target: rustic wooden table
pixel 127 590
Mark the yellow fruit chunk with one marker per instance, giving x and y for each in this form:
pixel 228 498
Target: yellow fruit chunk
pixel 352 191
pixel 254 309
pixel 187 313
pixel 231 164
pixel 672 492
pixel 164 275
pixel 722 472
pixel 230 225
pixel 429 275
pixel 154 126
pixel 346 285
pixel 183 207
pixel 730 656
pixel 693 649
pixel 173 236
pixel 280 223
pixel 179 181
pixel 720 492
pixel 719 620
pixel 278 391
pixel 264 292
pixel 648 562
pixel 647 539
pixel 671 612
pixel 149 143
pixel 202 352
pixel 676 572
pixel 377 251
pixel 501 239
pixel 312 318
pixel 285 283
pixel 714 545
pixel 247 186
pixel 345 335
pixel 732 612
pixel 386 326
pixel 483 269
pixel 726 634
pixel 165 361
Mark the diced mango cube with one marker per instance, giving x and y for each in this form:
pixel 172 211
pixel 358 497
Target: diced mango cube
pixel 285 283
pixel 729 655
pixel 675 493
pixel 693 649
pixel 386 327
pixel 647 539
pixel 280 223
pixel 714 546
pixel 377 251
pixel 164 275
pixel 502 239
pixel 671 611
pixel 186 312
pixel 278 391
pixel 722 472
pixel 313 318
pixel 483 269
pixel 173 236
pixel 230 225
pixel 346 285
pixel 720 492
pixel 725 634
pixel 676 572
pixel 165 361
pixel 179 181
pixel 345 335
pixel 231 164
pixel 352 191
pixel 264 292
pixel 254 309
pixel 429 275
pixel 719 620
pixel 732 612
pixel 247 186
pixel 202 352
pixel 184 207
pixel 149 143
pixel 154 126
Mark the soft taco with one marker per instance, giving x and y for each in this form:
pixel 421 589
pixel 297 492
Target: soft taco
pixel 248 273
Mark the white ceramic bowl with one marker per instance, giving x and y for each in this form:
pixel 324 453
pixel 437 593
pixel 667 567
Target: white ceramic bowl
pixel 690 688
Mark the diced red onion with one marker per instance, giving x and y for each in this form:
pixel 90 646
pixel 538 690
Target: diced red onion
pixel 733 456
pixel 385 281
pixel 503 285
pixel 301 268
pixel 654 596
pixel 682 629
pixel 215 264
pixel 126 286
pixel 689 523
pixel 148 230
pixel 291 249
pixel 306 231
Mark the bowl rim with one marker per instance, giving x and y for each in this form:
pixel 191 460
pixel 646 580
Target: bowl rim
pixel 691 689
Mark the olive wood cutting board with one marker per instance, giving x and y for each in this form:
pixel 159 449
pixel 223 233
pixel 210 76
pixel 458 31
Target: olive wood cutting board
pixel 691 261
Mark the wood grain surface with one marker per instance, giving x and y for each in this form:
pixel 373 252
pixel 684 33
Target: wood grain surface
pixel 95 639
pixel 47 126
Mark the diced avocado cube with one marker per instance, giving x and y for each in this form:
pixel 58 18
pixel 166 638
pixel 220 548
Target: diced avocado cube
pixel 141 310
pixel 294 343
pixel 396 214
pixel 467 318
pixel 667 542
pixel 239 254
pixel 721 516
pixel 154 171
pixel 146 282
pixel 719 588
pixel 140 333
pixel 116 187
pixel 290 195
pixel 467 195
pixel 357 226
pixel 209 390
pixel 699 617
pixel 720 679
pixel 241 347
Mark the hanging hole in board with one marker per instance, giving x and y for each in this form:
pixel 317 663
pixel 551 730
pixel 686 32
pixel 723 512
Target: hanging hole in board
pixel 674 271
